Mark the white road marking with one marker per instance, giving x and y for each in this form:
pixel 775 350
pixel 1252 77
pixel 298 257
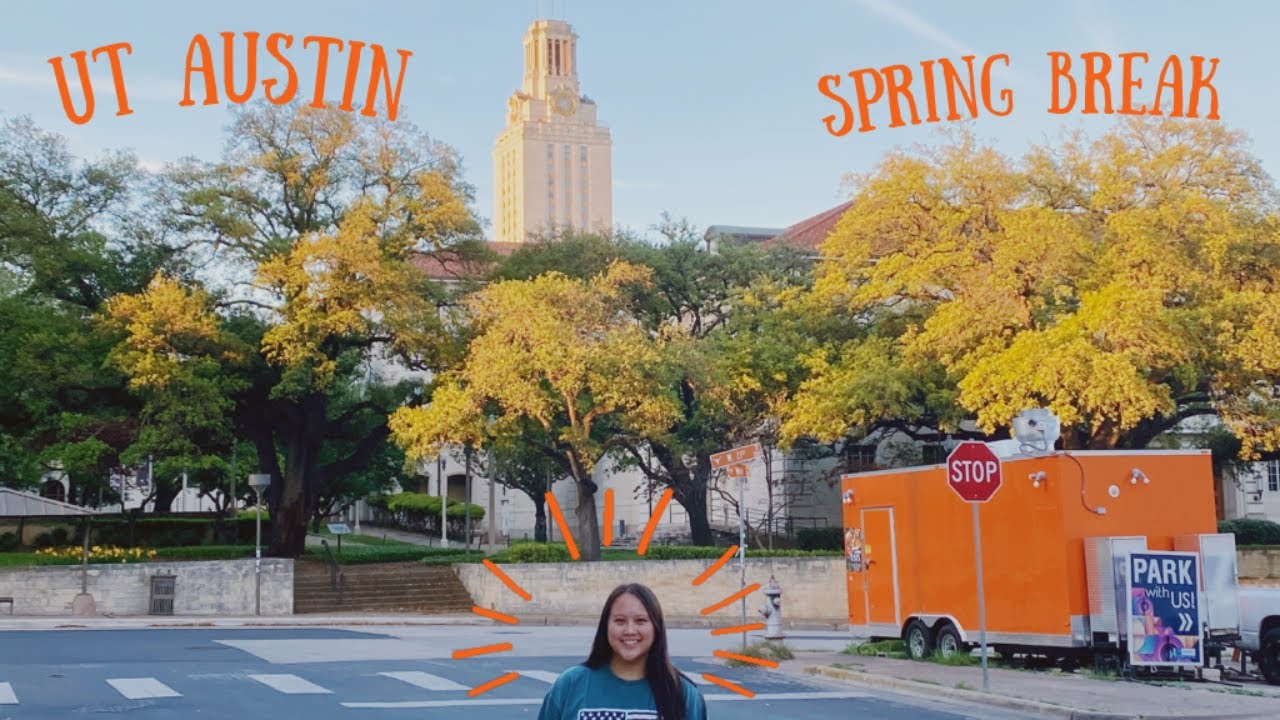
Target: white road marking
pixel 543 675
pixel 282 652
pixel 6 695
pixel 425 680
pixel 698 679
pixel 710 697
pixel 786 696
pixel 142 688
pixel 291 685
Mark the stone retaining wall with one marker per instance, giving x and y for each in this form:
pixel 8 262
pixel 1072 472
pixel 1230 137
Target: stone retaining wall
pixel 214 588
pixel 1259 566
pixel 812 589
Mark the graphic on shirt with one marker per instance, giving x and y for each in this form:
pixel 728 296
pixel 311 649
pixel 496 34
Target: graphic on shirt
pixel 596 714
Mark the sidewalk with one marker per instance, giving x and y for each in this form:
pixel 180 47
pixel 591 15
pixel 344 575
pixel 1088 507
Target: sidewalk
pixel 1053 693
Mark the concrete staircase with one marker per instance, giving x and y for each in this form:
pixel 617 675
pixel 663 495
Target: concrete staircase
pixel 379 588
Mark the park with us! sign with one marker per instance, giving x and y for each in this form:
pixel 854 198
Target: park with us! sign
pixel 1164 609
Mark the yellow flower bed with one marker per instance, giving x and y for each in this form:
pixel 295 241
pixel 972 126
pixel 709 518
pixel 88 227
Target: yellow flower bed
pixel 99 553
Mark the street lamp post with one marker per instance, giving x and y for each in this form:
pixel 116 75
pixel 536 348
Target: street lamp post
pixel 259 482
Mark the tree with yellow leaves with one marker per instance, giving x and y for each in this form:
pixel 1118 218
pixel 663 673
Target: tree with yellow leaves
pixel 563 354
pixel 323 215
pixel 1126 283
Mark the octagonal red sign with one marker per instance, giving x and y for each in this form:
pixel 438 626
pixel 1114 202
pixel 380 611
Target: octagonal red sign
pixel 973 471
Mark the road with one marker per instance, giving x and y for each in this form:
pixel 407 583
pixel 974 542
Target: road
pixel 385 673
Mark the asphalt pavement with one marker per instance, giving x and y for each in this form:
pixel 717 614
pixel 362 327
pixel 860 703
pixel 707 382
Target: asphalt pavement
pixel 320 653
pixel 378 670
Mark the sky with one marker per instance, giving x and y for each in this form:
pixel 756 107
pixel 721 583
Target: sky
pixel 713 106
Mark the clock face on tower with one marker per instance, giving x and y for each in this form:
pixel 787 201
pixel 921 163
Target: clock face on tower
pixel 564 102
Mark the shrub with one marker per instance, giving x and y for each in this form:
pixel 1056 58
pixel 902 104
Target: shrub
pixel 8 542
pixel 460 511
pixel 767 650
pixel 538 553
pixel 1252 531
pixel 823 538
pixel 97 554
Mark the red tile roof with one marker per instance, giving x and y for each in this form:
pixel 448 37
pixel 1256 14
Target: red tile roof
pixel 448 265
pixel 810 232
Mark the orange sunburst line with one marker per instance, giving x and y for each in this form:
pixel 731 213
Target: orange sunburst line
pixel 564 527
pixel 718 564
pixel 502 680
pixel 653 522
pixel 482 650
pixel 727 685
pixel 746 659
pixel 608 517
pixel 524 594
pixel 737 628
pixel 736 596
pixel 503 617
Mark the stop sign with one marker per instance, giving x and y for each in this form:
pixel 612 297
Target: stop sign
pixel 973 471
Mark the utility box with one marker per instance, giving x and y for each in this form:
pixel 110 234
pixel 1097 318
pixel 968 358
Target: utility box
pixel 163 591
pixel 1056 537
pixel 1219 582
pixel 1106 561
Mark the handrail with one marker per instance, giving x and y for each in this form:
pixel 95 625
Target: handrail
pixel 337 580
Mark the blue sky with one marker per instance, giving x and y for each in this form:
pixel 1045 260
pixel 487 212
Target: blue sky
pixel 712 104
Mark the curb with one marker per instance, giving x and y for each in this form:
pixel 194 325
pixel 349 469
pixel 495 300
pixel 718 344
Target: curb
pixel 966 695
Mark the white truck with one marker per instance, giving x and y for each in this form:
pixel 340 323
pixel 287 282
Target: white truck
pixel 1260 629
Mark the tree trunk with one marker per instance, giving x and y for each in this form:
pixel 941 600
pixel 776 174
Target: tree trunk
pixel 164 496
pixel 694 502
pixel 588 538
pixel 298 496
pixel 689 489
pixel 540 519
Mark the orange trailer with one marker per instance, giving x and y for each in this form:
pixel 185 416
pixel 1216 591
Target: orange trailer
pixel 909 545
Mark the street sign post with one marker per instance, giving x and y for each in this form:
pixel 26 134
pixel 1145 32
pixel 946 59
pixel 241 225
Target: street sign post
pixel 974 473
pixel 734 462
pixel 338 530
pixel 1164 609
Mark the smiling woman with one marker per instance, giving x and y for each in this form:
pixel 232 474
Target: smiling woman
pixel 628 675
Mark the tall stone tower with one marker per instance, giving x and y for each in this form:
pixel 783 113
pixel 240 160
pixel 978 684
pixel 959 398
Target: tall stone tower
pixel 551 165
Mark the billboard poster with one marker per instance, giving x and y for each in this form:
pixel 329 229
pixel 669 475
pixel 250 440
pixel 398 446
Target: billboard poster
pixel 1164 609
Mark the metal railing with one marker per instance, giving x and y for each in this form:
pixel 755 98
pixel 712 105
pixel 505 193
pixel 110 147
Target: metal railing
pixel 337 580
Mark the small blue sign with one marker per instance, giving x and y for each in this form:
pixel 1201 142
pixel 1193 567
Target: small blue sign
pixel 1164 609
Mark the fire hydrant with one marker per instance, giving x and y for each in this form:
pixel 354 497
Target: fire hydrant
pixel 772 610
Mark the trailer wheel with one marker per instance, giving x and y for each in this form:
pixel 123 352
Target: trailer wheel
pixel 1269 656
pixel 916 638
pixel 947 641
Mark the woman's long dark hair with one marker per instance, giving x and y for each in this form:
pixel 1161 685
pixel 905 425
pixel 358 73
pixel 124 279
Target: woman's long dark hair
pixel 664 679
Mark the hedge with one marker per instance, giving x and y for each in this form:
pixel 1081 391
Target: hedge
pixel 822 538
pixel 534 552
pixel 175 532
pixel 1251 531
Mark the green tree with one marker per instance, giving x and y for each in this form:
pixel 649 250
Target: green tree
pixel 71 235
pixel 561 353
pixel 1126 283
pixel 327 216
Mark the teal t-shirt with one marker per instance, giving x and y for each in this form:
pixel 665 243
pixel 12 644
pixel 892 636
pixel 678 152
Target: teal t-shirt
pixel 581 693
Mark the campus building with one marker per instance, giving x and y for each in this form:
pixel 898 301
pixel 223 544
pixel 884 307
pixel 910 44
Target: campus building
pixel 551 163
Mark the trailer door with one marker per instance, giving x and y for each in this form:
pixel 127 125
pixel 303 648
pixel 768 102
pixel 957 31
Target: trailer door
pixel 881 576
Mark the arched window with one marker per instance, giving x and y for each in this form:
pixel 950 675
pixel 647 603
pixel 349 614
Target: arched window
pixel 53 490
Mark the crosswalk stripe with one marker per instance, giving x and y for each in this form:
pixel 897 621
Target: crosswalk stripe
pixel 291 684
pixel 425 680
pixel 543 675
pixel 6 695
pixel 142 688
pixel 697 679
